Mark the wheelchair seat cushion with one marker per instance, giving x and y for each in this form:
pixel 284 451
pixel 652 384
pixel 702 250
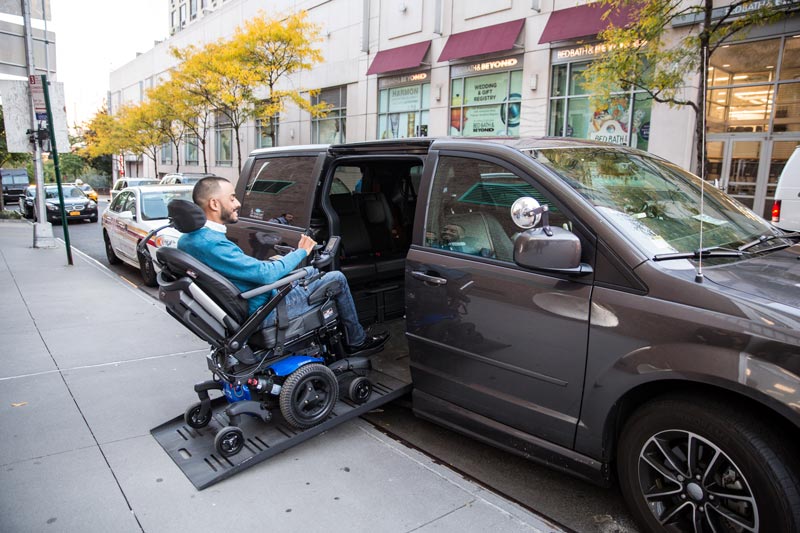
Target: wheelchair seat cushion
pixel 186 216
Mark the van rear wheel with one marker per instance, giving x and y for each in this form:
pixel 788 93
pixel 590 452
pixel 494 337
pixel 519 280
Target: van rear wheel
pixel 696 464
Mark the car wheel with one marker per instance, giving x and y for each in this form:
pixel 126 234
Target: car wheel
pixel 697 464
pixel 309 395
pixel 149 275
pixel 110 255
pixel 93 219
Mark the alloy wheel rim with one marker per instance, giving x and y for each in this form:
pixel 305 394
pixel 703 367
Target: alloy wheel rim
pixel 690 484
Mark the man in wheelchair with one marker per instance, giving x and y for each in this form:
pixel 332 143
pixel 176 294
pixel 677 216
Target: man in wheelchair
pixel 217 197
pixel 275 332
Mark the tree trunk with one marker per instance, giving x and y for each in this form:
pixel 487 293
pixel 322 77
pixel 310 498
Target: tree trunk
pixel 203 150
pixel 177 156
pixel 238 148
pixel 700 111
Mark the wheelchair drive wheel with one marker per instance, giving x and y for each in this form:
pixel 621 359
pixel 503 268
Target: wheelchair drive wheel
pixel 359 390
pixel 309 395
pixel 195 418
pixel 229 441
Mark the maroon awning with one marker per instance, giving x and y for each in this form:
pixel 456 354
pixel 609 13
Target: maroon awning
pixel 486 40
pixel 399 58
pixel 583 21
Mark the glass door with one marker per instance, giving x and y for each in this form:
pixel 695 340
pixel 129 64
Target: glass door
pixel 745 157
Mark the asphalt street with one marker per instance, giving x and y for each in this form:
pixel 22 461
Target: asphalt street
pixel 568 501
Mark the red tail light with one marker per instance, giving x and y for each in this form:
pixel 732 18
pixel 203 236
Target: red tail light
pixel 776 211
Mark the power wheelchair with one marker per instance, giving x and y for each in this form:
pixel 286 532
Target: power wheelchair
pixel 298 365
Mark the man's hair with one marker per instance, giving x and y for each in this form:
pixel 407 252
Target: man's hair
pixel 205 189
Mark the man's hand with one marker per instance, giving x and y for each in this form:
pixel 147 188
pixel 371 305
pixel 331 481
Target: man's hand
pixel 307 244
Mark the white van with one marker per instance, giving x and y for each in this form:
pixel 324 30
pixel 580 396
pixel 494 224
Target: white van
pixel 786 209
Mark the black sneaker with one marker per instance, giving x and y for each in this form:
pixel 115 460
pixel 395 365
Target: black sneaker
pixel 372 342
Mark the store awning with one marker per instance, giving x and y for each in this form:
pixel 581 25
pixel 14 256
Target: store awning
pixel 486 40
pixel 583 21
pixel 399 58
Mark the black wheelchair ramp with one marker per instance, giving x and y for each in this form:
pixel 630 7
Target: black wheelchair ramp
pixel 193 449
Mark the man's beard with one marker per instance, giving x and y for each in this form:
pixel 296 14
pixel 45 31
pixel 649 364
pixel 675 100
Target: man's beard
pixel 227 216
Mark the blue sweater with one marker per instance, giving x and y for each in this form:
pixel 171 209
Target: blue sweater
pixel 215 250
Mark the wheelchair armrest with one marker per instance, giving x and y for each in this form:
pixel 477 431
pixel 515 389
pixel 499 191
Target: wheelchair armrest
pixel 300 273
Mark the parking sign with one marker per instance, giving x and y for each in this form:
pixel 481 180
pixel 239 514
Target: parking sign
pixel 37 91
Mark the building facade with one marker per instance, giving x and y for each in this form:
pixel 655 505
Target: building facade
pixel 406 68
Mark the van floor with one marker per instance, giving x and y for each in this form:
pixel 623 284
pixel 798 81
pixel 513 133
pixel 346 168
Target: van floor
pixel 393 360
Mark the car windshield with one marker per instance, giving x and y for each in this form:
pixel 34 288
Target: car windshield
pixel 154 204
pixel 70 192
pixel 654 203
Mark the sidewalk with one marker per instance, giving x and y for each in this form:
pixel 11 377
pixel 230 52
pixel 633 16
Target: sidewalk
pixel 92 364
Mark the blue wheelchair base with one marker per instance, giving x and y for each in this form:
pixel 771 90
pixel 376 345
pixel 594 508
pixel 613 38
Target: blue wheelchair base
pixel 193 449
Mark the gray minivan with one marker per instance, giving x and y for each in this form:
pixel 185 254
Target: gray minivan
pixel 570 302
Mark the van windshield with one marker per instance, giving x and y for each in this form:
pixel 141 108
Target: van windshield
pixel 652 202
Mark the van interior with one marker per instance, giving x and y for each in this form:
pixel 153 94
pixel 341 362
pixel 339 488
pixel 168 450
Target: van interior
pixel 371 205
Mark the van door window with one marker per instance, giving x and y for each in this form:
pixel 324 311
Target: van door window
pixel 470 208
pixel 278 190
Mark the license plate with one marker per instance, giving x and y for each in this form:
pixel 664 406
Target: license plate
pixel 74 213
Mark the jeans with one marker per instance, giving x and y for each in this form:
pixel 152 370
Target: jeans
pixel 297 304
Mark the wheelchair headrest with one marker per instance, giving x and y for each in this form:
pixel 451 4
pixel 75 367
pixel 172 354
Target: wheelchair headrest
pixel 186 216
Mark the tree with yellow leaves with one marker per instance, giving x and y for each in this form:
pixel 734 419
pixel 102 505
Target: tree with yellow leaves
pixel 215 74
pixel 274 48
pixel 141 130
pixel 169 117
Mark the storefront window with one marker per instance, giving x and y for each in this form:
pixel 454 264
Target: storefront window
pixel 403 111
pixel 331 128
pixel 487 105
pixel 623 118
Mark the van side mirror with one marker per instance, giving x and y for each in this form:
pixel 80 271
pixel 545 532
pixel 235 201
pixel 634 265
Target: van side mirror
pixel 559 251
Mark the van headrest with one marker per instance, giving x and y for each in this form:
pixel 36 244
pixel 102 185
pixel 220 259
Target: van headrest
pixel 186 216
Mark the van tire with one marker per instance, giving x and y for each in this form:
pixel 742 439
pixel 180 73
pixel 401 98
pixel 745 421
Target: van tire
pixel 735 451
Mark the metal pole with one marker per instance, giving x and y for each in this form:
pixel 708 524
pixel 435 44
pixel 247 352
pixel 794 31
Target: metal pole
pixel 42 229
pixel 54 152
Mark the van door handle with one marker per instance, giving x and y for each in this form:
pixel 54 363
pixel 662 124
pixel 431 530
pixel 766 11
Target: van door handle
pixel 427 278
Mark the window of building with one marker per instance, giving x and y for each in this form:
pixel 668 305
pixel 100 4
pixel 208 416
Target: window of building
pixel 486 105
pixel 166 153
pixel 173 19
pixel 624 118
pixel 331 128
pixel 190 145
pixel 469 208
pixel 193 9
pixel 267 132
pixel 403 111
pixel 278 190
pixel 753 87
pixel 182 10
pixel 223 141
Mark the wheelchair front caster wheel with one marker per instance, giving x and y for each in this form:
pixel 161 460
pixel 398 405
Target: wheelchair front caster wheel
pixel 309 395
pixel 229 441
pixel 359 390
pixel 195 418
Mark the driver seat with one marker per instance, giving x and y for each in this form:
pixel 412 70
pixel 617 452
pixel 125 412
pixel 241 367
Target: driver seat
pixel 214 309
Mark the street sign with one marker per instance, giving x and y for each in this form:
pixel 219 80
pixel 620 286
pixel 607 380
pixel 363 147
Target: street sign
pixel 17 114
pixel 37 92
